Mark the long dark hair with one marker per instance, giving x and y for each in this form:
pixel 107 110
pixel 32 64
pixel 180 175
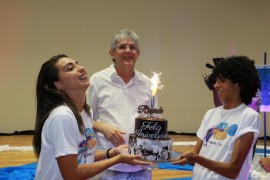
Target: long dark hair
pixel 48 98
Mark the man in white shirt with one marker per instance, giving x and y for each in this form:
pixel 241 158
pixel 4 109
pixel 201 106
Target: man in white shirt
pixel 114 95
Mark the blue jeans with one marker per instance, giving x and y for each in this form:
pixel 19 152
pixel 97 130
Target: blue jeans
pixel 118 175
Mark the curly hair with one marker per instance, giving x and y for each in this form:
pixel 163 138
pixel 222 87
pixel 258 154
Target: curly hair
pixel 241 70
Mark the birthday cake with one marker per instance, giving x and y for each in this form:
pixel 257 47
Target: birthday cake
pixel 150 138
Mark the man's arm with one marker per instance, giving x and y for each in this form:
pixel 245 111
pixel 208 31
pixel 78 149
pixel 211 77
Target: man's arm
pixel 112 133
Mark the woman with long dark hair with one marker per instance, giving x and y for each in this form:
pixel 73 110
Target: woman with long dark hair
pixel 64 139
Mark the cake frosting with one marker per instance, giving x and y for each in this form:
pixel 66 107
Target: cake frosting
pixel 150 138
pixel 151 128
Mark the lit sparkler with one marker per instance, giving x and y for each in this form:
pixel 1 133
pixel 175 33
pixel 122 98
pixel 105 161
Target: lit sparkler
pixel 155 85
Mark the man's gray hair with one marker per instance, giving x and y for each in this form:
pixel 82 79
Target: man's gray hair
pixel 124 33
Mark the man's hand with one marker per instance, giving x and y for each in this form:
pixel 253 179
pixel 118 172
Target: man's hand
pixel 112 133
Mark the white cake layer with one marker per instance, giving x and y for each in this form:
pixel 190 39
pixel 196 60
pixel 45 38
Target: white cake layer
pixel 151 150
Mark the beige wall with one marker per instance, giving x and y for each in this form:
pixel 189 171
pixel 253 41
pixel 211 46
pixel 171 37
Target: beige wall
pixel 178 37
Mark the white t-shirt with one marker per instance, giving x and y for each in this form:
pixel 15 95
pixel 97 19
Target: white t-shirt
pixel 61 137
pixel 219 130
pixel 115 102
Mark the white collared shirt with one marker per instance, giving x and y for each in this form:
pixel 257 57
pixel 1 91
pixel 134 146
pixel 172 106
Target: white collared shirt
pixel 115 102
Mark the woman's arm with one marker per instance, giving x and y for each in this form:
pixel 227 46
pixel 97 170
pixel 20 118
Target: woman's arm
pixel 230 169
pixel 184 157
pixel 70 169
pixel 103 154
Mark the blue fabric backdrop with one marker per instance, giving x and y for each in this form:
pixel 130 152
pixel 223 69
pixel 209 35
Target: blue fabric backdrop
pixel 27 172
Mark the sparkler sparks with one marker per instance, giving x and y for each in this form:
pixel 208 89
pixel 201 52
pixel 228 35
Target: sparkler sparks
pixel 155 83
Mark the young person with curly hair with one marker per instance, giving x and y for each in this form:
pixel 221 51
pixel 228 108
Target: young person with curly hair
pixel 228 132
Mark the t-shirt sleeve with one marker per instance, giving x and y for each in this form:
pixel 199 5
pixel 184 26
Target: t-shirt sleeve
pixel 251 123
pixel 63 132
pixel 202 130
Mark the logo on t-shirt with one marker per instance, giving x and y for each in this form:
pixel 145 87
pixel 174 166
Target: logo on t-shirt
pixel 221 131
pixel 87 146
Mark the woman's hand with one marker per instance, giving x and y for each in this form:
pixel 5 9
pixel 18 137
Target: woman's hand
pixel 132 159
pixel 186 158
pixel 122 153
pixel 265 163
pixel 118 150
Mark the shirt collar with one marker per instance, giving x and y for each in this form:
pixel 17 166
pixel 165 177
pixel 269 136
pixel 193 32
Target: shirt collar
pixel 136 78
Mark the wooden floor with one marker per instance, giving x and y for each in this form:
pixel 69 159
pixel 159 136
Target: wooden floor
pixel 15 158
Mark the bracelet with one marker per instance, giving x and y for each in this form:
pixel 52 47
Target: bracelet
pixel 107 153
